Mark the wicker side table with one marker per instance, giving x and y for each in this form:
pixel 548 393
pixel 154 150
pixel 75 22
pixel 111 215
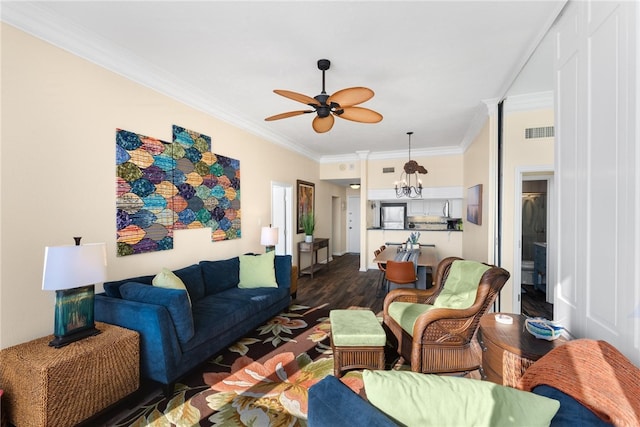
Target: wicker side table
pixel 45 386
pixel 508 350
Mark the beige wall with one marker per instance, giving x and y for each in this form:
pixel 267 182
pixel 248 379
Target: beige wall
pixel 477 166
pixel 444 171
pixel 523 154
pixel 57 173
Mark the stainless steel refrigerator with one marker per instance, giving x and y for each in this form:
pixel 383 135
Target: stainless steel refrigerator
pixel 393 215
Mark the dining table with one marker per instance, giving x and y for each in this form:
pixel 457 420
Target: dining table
pixel 425 258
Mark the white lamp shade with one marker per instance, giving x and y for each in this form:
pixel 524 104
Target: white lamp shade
pixel 269 236
pixel 68 267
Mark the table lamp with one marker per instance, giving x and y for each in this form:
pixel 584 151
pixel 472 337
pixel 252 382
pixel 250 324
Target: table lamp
pixel 269 238
pixel 72 271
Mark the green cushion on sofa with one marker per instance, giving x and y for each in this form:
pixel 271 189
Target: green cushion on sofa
pixel 258 271
pixel 406 313
pixel 168 280
pixel 414 399
pixel 461 286
pixel 351 328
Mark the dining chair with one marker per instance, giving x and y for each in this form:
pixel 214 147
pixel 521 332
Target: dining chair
pixel 400 273
pixel 382 267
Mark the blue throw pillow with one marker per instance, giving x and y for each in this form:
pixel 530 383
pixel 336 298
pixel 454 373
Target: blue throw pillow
pixel 192 278
pixel 112 289
pixel 175 301
pixel 220 275
pixel 571 412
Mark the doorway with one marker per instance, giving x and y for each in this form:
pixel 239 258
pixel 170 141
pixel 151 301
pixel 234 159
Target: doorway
pixel 282 216
pixel 353 224
pixel 534 294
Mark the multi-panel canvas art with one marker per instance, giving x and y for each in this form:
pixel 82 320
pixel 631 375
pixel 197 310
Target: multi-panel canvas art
pixel 167 186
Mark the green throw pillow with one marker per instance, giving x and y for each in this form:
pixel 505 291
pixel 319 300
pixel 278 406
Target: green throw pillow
pixel 258 271
pixel 168 280
pixel 414 399
pixel 461 286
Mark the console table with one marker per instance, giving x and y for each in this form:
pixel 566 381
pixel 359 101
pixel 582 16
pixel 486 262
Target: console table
pixel 58 387
pixel 508 350
pixel 312 248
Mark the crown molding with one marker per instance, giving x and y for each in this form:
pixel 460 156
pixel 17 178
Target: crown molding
pixel 395 154
pixel 529 101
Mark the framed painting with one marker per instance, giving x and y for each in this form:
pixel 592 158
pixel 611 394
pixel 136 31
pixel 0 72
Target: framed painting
pixel 306 192
pixel 474 204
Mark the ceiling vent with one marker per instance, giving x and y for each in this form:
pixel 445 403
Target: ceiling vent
pixel 541 132
pixel 388 170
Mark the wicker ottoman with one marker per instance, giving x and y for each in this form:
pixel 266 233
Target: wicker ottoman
pixel 45 386
pixel 357 340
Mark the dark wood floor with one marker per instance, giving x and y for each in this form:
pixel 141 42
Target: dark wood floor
pixel 534 303
pixel 342 285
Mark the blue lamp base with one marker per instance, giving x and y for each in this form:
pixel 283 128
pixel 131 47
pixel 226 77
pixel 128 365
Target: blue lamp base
pixel 74 316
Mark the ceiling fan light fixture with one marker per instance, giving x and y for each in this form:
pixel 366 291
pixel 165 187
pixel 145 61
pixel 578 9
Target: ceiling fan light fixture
pixel 341 104
pixel 405 187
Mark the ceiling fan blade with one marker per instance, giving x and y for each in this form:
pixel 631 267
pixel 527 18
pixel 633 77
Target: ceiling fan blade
pixel 297 97
pixel 323 124
pixel 288 114
pixel 351 96
pixel 360 114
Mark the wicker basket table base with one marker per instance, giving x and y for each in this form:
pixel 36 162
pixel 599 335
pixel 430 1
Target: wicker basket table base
pixel 365 350
pixel 45 386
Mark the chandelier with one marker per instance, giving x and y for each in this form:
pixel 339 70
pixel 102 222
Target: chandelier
pixel 410 184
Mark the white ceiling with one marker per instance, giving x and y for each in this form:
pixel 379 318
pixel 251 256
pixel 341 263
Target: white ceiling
pixel 430 63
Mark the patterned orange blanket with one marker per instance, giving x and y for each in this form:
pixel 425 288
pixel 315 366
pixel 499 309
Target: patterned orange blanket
pixel 594 373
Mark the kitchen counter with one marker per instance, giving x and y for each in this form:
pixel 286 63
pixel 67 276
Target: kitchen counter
pixel 409 229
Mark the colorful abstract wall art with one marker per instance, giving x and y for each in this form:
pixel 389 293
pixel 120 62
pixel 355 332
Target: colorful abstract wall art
pixel 162 187
pixel 209 184
pixel 145 194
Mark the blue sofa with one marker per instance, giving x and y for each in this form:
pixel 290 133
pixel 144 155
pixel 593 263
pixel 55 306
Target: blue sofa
pixel 178 332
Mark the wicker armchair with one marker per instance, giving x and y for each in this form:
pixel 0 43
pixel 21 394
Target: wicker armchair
pixel 443 339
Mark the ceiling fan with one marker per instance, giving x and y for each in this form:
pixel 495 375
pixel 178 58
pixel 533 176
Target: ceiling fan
pixel 342 104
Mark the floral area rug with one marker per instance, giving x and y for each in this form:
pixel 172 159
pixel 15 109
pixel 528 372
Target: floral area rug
pixel 261 380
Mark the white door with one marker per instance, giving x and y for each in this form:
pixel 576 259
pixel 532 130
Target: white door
pixel 597 173
pixel 281 216
pixel 353 224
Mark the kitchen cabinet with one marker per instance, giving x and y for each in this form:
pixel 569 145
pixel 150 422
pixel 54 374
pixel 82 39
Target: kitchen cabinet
pixel 416 207
pixel 434 207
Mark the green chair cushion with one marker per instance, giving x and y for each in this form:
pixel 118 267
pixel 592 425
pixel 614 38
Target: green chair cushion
pixel 406 313
pixel 414 399
pixel 461 286
pixel 353 328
